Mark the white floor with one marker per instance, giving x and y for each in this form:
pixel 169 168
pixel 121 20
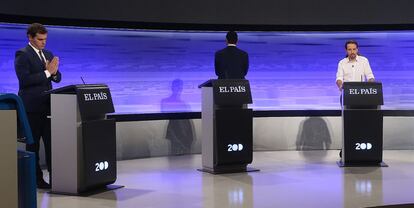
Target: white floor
pixel 287 179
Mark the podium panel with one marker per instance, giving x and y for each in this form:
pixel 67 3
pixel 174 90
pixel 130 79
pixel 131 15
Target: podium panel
pixel 362 124
pixel 364 137
pixel 83 139
pixel 227 126
pixel 234 136
pixel 98 149
pixel 362 94
pixel 8 153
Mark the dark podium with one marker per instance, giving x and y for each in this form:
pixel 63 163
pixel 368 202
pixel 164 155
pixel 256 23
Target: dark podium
pixel 362 124
pixel 227 126
pixel 83 139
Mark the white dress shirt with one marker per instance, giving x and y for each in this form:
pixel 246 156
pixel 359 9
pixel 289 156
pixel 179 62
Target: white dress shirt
pixel 44 58
pixel 358 70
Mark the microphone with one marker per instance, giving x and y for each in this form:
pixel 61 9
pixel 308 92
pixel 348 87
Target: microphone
pixel 83 80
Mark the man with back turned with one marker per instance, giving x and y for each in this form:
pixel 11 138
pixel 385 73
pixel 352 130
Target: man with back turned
pixel 231 62
pixel 36 68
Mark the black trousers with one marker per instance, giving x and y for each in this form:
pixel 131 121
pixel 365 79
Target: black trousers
pixel 40 125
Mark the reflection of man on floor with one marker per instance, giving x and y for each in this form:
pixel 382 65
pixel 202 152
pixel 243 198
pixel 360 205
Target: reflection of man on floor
pixel 180 133
pixel 314 135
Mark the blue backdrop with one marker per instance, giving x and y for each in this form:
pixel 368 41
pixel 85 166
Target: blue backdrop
pixel 159 71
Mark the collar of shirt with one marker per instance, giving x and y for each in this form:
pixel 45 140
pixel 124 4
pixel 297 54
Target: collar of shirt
pixel 356 59
pixel 34 48
pixel 37 52
pixel 231 45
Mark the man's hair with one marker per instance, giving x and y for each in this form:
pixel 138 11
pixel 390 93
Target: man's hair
pixel 350 42
pixel 231 37
pixel 36 28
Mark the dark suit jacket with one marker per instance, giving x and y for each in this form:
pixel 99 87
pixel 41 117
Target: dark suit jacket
pixel 231 63
pixel 32 79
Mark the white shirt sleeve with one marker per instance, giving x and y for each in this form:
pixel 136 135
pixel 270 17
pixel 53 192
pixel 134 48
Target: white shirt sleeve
pixel 368 71
pixel 340 73
pixel 47 74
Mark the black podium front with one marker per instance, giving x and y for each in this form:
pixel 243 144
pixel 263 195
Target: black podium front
pixel 362 124
pixel 227 134
pixel 83 139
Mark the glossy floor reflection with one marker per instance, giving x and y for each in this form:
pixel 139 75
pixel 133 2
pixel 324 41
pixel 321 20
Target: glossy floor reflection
pixel 286 179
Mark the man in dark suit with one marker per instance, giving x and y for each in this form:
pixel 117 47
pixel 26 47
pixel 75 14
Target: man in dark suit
pixel 231 62
pixel 36 68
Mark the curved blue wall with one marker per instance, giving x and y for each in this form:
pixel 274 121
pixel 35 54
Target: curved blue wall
pixel 159 71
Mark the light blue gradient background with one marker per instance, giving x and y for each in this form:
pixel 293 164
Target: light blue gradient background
pixel 288 70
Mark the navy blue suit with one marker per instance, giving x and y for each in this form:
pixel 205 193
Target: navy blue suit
pixel 32 79
pixel 231 63
pixel 32 85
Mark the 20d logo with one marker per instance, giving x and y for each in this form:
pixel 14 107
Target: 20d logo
pixel 234 147
pixel 100 166
pixel 363 146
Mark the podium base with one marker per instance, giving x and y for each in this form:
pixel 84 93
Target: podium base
pixel 226 171
pixel 342 164
pixel 90 192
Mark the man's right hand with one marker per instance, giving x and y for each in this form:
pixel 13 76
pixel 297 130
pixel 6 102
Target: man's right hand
pixel 53 65
pixel 339 84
